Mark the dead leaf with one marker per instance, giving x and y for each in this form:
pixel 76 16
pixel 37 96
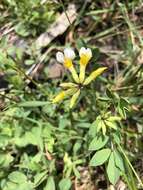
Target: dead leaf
pixel 85 182
pixel 120 185
pixel 55 70
pixel 57 28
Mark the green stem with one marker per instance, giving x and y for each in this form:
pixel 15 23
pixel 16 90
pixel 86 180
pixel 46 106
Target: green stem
pixel 127 181
pixel 65 12
pixel 19 70
pixel 128 161
pixel 131 181
pixel 106 176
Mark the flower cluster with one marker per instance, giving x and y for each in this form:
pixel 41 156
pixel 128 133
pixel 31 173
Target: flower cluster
pixel 73 89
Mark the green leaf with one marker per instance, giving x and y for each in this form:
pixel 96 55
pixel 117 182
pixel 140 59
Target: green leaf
pixel 114 118
pixel 17 81
pixel 2 159
pixel 99 126
pixel 122 107
pixel 9 186
pixel 21 30
pixel 100 157
pixel 118 160
pixel 5 160
pixel 77 147
pixel 116 138
pixel 103 126
pixel 110 124
pixel 98 142
pixel 29 62
pixel 50 184
pixel 25 186
pixel 17 177
pixel 65 184
pixel 80 43
pixel 93 127
pixel 32 104
pixel 30 138
pixel 110 94
pixel 63 122
pixel 68 171
pixel 96 54
pixel 76 172
pixel 39 178
pixel 112 171
pixel 83 125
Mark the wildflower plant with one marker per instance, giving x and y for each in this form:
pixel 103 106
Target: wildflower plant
pixel 43 146
pixel 104 135
pixel 73 89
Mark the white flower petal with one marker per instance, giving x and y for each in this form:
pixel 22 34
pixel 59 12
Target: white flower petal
pixel 82 51
pixel 85 51
pixel 60 57
pixel 89 52
pixel 69 53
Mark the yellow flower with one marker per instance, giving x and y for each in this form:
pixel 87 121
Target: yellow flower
pixel 63 94
pixel 67 58
pixel 85 56
pixel 68 85
pixel 74 89
pixel 94 74
pixel 74 98
pixel 59 97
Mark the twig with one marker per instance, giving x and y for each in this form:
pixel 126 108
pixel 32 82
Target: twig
pixel 65 12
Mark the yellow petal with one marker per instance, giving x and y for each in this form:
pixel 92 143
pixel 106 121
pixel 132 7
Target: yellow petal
pixel 68 85
pixel 59 97
pixel 84 59
pixel 64 94
pixel 68 63
pixel 94 74
pixel 82 73
pixel 74 98
pixel 74 74
pixel 70 91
